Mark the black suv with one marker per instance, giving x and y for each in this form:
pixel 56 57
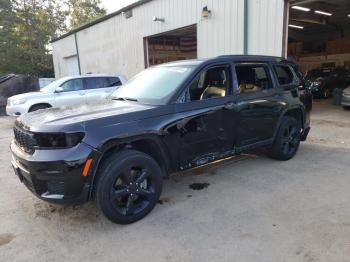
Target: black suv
pixel 323 81
pixel 167 118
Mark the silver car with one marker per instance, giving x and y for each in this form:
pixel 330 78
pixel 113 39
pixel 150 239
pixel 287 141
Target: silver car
pixel 345 102
pixel 67 91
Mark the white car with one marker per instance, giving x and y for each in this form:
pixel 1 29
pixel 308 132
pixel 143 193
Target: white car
pixel 66 91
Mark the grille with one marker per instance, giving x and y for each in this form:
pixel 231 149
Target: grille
pixel 24 139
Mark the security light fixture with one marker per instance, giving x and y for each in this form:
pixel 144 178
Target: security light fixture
pixel 296 26
pixel 157 19
pixel 206 12
pixel 305 9
pixel 323 13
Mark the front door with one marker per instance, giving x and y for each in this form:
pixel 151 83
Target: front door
pixel 70 93
pixel 258 104
pixel 205 128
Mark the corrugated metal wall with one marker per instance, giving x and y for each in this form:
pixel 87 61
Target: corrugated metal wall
pixel 116 45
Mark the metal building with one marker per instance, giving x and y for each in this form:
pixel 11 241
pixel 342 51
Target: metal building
pixel 150 32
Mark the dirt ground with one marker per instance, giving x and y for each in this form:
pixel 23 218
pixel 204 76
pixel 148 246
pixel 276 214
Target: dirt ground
pixel 252 209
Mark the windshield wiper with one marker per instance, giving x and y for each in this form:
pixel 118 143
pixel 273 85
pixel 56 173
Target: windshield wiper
pixel 125 99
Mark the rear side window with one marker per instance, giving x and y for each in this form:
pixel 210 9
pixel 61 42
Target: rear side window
pixel 114 81
pixel 253 78
pixel 100 82
pixel 284 75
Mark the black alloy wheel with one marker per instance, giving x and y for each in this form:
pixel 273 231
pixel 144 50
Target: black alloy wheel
pixel 129 186
pixel 287 140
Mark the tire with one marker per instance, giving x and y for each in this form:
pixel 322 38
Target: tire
pixel 346 108
pixel 38 107
pixel 287 140
pixel 129 184
pixel 327 93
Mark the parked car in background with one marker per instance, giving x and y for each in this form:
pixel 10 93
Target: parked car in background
pixel 67 91
pixel 323 81
pixel 166 119
pixel 11 85
pixel 45 81
pixel 345 102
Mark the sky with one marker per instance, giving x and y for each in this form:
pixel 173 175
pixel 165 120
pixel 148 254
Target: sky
pixel 114 5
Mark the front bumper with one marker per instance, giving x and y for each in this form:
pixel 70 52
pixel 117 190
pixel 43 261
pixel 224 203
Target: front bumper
pixel 55 175
pixel 345 100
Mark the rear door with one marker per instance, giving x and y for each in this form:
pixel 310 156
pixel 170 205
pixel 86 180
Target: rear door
pixel 258 104
pixel 70 93
pixel 98 88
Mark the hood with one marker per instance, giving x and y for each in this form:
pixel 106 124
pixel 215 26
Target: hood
pixel 29 95
pixel 68 119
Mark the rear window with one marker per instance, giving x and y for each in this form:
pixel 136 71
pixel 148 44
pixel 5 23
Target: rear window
pixel 284 75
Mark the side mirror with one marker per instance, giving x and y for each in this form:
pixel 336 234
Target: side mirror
pixel 59 89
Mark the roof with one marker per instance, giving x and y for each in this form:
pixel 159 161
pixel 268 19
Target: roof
pixel 101 19
pixel 238 58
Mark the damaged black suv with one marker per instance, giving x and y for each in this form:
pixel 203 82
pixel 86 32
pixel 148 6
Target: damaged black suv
pixel 167 118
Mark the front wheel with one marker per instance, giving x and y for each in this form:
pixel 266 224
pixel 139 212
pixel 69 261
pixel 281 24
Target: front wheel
pixel 287 140
pixel 129 186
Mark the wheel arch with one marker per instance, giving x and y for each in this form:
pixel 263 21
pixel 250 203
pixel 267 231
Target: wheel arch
pixel 151 145
pixel 39 104
pixel 297 112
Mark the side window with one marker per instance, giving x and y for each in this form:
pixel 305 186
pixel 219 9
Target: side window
pixel 208 84
pixel 96 82
pixel 284 75
pixel 114 81
pixel 73 85
pixel 253 78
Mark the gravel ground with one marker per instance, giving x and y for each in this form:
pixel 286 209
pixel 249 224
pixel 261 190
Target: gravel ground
pixel 253 209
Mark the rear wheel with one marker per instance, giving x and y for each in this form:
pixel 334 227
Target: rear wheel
pixel 287 140
pixel 129 186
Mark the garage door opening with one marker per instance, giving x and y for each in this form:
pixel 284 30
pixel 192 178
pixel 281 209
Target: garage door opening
pixel 180 44
pixel 319 33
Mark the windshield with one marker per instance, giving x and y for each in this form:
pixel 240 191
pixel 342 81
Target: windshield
pixel 50 88
pixel 154 85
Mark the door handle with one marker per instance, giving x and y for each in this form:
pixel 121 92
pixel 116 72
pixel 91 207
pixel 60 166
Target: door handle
pixel 230 105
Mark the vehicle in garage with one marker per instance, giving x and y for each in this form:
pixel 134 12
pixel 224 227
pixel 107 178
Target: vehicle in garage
pixel 67 91
pixel 323 81
pixel 345 102
pixel 168 118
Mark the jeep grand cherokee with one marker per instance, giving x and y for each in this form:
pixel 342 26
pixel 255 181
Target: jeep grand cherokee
pixel 167 118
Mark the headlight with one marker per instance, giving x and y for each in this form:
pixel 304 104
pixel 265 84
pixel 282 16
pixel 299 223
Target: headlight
pixel 58 140
pixel 316 83
pixel 347 91
pixel 18 101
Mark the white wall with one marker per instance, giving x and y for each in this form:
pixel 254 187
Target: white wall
pixel 116 45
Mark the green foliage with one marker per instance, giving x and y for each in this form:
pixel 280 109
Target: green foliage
pixel 84 11
pixel 28 26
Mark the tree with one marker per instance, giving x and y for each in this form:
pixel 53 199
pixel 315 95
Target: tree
pixel 28 26
pixel 84 11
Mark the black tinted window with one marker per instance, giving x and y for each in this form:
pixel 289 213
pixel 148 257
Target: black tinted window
pixel 253 78
pixel 210 83
pixel 72 85
pixel 284 75
pixel 114 81
pixel 97 82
